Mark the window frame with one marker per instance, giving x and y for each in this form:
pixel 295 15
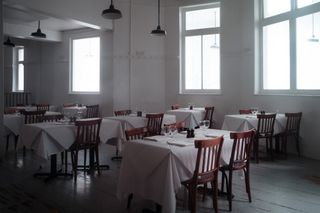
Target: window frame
pixel 292 17
pixel 71 39
pixel 196 32
pixel 15 76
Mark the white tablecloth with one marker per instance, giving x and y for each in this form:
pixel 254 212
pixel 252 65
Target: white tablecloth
pixel 155 170
pixel 72 111
pixel 246 122
pixel 14 122
pixel 54 137
pixel 190 117
pixel 133 121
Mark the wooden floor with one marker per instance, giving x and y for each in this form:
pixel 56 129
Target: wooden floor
pixel 291 185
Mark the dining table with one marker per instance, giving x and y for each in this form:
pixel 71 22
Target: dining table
pixel 134 121
pixel 51 138
pixel 191 117
pixel 244 122
pixel 153 168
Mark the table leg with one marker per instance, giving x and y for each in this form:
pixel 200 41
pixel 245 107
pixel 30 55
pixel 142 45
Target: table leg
pixel 54 172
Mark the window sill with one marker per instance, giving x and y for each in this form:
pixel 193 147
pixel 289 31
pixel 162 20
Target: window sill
pixel 289 94
pixel 84 93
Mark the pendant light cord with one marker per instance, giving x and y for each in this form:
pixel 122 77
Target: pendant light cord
pixel 39 24
pixel 158 12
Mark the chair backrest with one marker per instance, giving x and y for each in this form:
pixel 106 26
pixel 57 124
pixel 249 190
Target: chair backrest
pixel 208 157
pixel 122 112
pixel 31 117
pixel 17 98
pixel 180 126
pixel 175 106
pixel 69 105
pixel 87 132
pixel 245 111
pixel 209 115
pixel 241 148
pixel 42 107
pixel 293 122
pixel 154 123
pixel 52 118
pixel 265 125
pixel 92 111
pixel 10 110
pixel 135 133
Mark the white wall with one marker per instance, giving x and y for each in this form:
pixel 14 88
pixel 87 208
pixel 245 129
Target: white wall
pixel 237 67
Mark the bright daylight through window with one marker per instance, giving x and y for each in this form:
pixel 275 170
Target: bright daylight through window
pixel 290 41
pixel 18 71
pixel 200 49
pixel 85 68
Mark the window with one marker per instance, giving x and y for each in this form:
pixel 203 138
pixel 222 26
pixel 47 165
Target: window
pixel 85 66
pixel 290 43
pixel 200 49
pixel 18 71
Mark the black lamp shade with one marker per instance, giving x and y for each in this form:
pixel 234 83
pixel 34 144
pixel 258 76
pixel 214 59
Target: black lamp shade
pixel 111 13
pixel 158 31
pixel 38 34
pixel 9 43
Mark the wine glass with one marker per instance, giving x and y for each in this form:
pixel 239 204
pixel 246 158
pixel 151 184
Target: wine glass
pixel 201 125
pixel 254 110
pixel 166 130
pixel 206 124
pixel 173 130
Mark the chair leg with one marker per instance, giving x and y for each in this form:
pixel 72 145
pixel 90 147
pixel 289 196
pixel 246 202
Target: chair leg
pixel 7 144
pixel 214 185
pixel 65 162
pixel 192 201
pixel 130 196
pixel 205 186
pixel 297 144
pixel 247 180
pixel 222 181
pixel 85 160
pixel 97 159
pixel 271 148
pixel 230 190
pixel 256 150
pixel 284 146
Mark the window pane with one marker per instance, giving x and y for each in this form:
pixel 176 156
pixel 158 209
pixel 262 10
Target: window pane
pixel 276 56
pixel 308 51
pixel 303 3
pixel 275 7
pixel 20 77
pixel 193 62
pixel 206 18
pixel 86 65
pixel 211 61
pixel 20 54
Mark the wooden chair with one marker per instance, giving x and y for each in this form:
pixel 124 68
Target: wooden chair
pixel 87 138
pixel 209 116
pixel 206 170
pixel 292 129
pixel 52 118
pixel 122 112
pixel 175 106
pixel 69 105
pixel 264 130
pixel 10 111
pixel 154 123
pixel 136 133
pixel 239 160
pixel 92 111
pixel 180 126
pixel 45 107
pixel 245 111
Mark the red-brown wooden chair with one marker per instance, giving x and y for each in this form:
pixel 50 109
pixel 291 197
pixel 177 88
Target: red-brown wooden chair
pixel 92 111
pixel 206 170
pixel 136 133
pixel 239 160
pixel 154 123
pixel 180 126
pixel 122 112
pixel 209 116
pixel 87 138
pixel 175 106
pixel 245 111
pixel 45 107
pixel 264 131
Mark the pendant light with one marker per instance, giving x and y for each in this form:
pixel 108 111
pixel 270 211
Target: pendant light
pixel 111 12
pixel 158 31
pixel 38 33
pixel 313 38
pixel 9 43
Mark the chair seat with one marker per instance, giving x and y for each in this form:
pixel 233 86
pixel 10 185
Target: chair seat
pixel 82 146
pixel 236 166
